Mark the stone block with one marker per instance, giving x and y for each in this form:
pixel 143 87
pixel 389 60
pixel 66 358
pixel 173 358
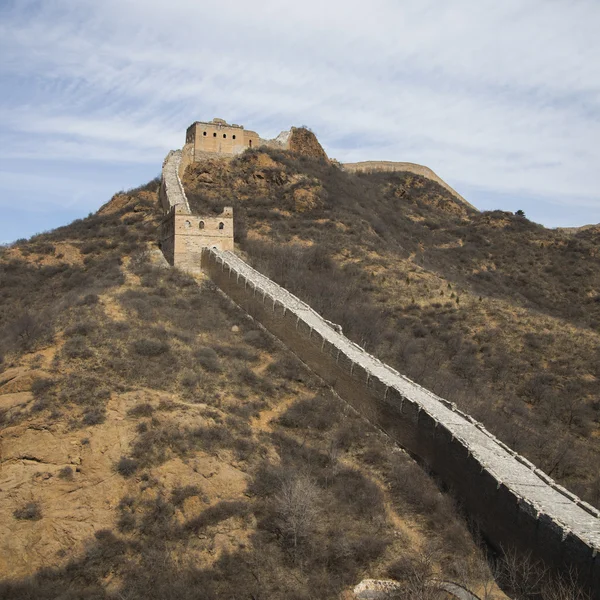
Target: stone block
pixel 595 577
pixel 394 397
pixel 291 319
pixel 303 328
pixel 579 553
pixel 344 362
pixel 330 349
pixel 360 373
pixel 378 387
pixel 550 536
pixel 316 339
pixel 526 522
pixel 279 310
pixel 411 410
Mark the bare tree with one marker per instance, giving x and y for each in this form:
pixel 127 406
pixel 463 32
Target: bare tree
pixel 521 574
pixel 297 507
pixel 563 587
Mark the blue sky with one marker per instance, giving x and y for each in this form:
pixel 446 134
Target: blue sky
pixel 501 99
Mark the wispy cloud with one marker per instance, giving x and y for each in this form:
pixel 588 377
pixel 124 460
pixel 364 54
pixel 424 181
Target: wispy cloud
pixel 502 99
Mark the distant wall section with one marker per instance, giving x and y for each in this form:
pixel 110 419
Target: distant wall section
pixel 375 166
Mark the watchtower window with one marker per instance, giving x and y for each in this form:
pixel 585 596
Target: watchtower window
pixel 224 135
pixel 204 133
pixel 201 225
pixel 221 225
pixel 215 134
pixel 233 136
pixel 187 224
pixel 250 143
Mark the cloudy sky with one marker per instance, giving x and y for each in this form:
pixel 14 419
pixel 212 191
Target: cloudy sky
pixel 501 99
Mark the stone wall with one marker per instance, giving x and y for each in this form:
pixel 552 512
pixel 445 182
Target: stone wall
pixel 182 234
pixel 514 503
pixel 171 192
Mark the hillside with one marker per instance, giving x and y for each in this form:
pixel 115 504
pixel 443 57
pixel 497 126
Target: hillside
pixel 157 444
pixel 486 309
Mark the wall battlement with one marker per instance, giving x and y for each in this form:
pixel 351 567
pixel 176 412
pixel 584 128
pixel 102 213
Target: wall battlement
pixel 218 138
pixel 513 501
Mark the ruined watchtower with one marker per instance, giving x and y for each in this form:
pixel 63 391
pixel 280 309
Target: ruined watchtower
pixel 218 137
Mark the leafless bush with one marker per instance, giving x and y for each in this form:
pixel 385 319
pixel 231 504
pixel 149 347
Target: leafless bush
pixel 77 346
pixel 32 511
pixel 297 508
pixel 320 412
pixel 126 466
pixel 144 409
pixel 360 495
pixel 94 415
pixel 150 347
pixel 208 359
pixel 66 473
pixel 259 339
pixel 28 330
pixel 181 493
pixel 288 367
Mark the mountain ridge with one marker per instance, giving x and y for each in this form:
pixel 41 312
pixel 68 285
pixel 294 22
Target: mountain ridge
pixel 370 166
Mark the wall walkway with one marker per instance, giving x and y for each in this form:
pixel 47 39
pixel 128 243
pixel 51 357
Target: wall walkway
pixel 514 503
pixel 171 193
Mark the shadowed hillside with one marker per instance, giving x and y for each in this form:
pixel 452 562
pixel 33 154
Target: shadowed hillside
pixel 486 309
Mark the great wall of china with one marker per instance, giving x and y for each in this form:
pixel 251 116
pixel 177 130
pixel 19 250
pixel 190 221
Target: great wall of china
pixel 514 503
pixel 375 166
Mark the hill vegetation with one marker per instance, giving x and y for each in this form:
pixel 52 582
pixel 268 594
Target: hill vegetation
pixel 157 444
pixel 486 309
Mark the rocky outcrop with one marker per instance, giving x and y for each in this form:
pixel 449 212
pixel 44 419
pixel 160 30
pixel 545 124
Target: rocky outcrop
pixel 304 141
